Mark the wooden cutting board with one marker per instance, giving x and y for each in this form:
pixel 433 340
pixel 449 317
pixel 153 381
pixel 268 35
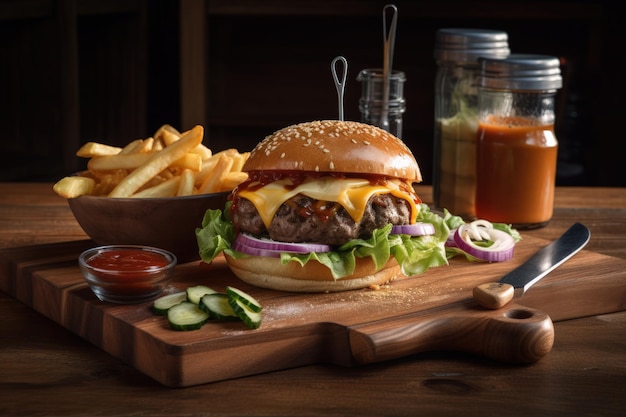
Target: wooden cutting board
pixel 432 311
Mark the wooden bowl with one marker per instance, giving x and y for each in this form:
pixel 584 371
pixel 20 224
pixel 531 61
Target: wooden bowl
pixel 166 223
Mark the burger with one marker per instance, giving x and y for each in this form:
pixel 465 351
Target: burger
pixel 328 206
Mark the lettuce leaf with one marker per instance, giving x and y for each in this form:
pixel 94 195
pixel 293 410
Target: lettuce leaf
pixel 414 254
pixel 216 234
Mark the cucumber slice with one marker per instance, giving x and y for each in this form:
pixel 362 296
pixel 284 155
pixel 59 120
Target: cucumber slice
pixel 251 318
pixel 245 298
pixel 186 316
pixel 162 304
pixel 194 294
pixel 217 307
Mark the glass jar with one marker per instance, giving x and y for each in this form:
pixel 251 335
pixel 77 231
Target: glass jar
pixel 371 103
pixel 456 113
pixel 517 148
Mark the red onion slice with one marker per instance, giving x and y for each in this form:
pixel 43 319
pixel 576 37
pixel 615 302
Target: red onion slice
pixel 501 249
pixel 267 247
pixel 240 247
pixel 450 240
pixel 416 229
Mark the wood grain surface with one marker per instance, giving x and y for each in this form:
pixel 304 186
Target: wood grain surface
pixel 429 312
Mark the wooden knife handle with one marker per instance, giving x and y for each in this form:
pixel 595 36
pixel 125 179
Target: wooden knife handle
pixel 513 334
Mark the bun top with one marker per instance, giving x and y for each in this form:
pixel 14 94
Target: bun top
pixel 336 147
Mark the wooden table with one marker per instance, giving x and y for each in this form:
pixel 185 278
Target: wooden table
pixel 46 370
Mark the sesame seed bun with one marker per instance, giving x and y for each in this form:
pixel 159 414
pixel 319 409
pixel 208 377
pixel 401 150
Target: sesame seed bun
pixel 313 277
pixel 335 146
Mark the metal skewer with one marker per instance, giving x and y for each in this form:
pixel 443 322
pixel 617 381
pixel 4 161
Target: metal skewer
pixel 339 85
pixel 389 39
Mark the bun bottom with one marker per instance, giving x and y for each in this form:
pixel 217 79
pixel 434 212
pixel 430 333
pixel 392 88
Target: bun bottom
pixel 270 273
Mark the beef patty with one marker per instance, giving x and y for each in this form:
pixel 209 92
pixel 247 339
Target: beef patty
pixel 304 219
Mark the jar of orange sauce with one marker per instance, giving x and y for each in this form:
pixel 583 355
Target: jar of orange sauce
pixel 516 152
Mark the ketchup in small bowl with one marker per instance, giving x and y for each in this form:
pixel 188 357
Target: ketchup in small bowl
pixel 127 273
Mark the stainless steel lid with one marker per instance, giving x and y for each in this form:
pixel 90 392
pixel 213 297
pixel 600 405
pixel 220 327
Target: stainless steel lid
pixel 467 45
pixel 521 72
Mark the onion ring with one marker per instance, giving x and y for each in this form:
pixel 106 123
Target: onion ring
pixel 468 234
pixel 416 229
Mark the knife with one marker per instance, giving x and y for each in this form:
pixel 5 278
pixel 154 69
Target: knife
pixel 494 295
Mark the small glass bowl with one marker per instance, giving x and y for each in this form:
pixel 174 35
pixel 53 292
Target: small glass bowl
pixel 127 274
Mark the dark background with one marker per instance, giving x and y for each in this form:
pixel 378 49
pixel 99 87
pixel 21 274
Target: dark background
pixel 115 70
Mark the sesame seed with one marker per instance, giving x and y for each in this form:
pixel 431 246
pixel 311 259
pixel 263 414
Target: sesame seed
pixel 282 155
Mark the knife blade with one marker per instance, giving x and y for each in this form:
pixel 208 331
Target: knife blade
pixel 495 295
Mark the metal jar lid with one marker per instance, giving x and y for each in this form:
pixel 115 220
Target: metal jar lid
pixel 521 72
pixel 467 45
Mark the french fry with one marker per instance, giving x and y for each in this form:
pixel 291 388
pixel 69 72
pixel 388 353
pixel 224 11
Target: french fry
pixel 239 160
pixel 164 189
pixel 191 161
pixel 161 160
pixel 232 152
pixel 167 130
pixel 146 146
pixel 120 161
pixel 131 147
pixel 168 135
pixel 158 145
pixel 209 164
pixel 137 159
pixel 91 149
pixel 186 184
pixel 205 171
pixel 72 187
pixel 168 138
pixel 214 179
pixel 233 179
pixel 204 152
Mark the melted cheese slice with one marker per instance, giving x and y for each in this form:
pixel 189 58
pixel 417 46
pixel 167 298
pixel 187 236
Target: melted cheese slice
pixel 352 193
